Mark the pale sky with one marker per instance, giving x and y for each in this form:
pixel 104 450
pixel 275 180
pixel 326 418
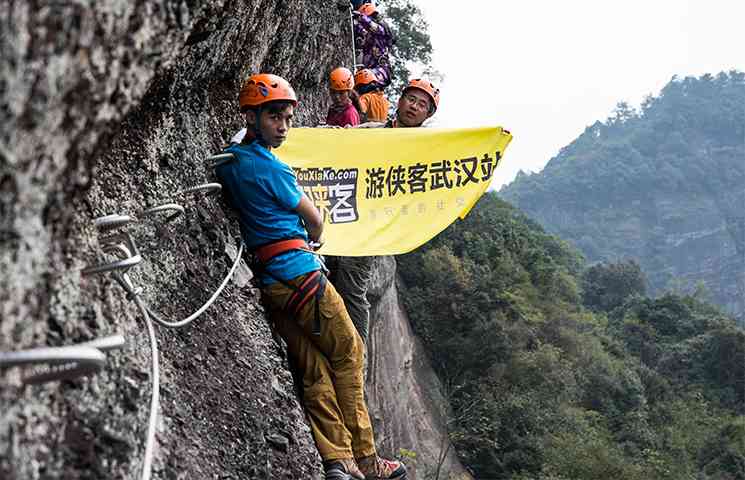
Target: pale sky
pixel 545 69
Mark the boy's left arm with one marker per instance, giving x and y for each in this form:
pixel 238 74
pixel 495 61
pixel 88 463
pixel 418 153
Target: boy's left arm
pixel 311 217
pixel 290 196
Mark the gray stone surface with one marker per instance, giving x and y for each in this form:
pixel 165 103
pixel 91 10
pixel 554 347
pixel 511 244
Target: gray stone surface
pixel 108 107
pixel 405 400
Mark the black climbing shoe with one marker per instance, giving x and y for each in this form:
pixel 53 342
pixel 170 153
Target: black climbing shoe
pixel 343 469
pixel 335 473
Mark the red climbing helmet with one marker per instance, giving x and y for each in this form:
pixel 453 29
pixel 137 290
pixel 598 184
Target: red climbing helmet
pixel 367 9
pixel 341 79
pixel 427 87
pixel 364 77
pixel 265 87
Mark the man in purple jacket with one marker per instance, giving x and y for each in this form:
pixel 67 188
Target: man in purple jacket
pixel 373 40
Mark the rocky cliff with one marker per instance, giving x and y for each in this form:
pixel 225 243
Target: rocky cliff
pixel 402 385
pixel 112 107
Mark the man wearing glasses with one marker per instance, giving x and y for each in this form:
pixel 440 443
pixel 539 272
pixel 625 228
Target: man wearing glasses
pixel 352 275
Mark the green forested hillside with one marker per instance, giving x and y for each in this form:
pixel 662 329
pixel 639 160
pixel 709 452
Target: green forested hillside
pixel 664 185
pixel 555 371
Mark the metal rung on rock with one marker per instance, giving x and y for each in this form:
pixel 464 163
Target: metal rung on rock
pixel 110 222
pixel 109 267
pixel 62 363
pixel 208 188
pixel 167 207
pixel 123 239
pixel 121 245
pixel 220 159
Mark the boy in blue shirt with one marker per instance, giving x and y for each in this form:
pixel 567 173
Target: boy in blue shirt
pixel 277 220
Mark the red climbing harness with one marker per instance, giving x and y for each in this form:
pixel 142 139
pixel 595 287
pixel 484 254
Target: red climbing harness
pixel 312 286
pixel 266 252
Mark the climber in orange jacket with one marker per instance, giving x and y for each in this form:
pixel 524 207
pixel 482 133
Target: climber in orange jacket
pixel 374 105
pixel 277 220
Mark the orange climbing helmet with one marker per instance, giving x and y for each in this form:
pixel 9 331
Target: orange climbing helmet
pixel 265 87
pixel 341 79
pixel 367 9
pixel 427 87
pixel 364 77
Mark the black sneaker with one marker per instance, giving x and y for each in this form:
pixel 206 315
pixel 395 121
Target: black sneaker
pixel 336 472
pixel 340 470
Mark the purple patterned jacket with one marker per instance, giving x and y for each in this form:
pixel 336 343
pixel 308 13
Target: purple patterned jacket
pixel 373 40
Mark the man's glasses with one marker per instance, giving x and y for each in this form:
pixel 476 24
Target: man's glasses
pixel 422 104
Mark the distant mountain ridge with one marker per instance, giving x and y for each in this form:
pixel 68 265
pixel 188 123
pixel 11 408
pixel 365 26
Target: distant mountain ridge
pixel 664 185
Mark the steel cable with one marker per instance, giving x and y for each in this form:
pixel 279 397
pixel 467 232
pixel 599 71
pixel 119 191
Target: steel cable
pixel 123 247
pixel 147 313
pixel 155 395
pixel 200 311
pixel 133 293
pixel 354 45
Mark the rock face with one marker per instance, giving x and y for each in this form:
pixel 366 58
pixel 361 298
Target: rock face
pixel 112 107
pixel 401 385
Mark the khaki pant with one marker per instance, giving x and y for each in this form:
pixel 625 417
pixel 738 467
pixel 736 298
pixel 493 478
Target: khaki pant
pixel 331 366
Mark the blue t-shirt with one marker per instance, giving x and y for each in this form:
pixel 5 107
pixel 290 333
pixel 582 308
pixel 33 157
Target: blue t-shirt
pixel 265 193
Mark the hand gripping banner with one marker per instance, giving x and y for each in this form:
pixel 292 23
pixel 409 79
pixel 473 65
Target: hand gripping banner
pixel 386 191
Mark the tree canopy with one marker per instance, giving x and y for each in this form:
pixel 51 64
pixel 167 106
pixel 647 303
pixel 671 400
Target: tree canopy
pixel 559 371
pixel 412 41
pixel 607 286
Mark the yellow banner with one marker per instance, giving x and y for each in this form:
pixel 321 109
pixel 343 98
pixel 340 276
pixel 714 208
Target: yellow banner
pixel 386 191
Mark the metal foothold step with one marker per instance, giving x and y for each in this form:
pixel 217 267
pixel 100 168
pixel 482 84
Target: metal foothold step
pixel 110 222
pixel 62 363
pixel 122 246
pixel 208 188
pixel 220 159
pixel 166 207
